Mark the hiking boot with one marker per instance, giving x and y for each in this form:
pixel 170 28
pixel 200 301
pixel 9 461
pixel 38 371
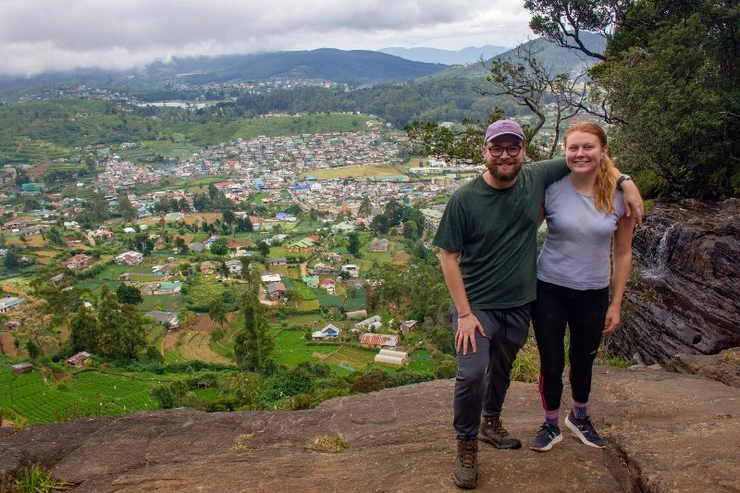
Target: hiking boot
pixel 493 432
pixel 584 430
pixel 466 466
pixel 548 436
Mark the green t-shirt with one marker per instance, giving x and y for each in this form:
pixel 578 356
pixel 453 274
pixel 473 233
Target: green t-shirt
pixel 495 231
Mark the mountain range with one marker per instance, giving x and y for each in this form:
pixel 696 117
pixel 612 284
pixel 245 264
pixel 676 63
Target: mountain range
pixel 358 68
pixel 470 54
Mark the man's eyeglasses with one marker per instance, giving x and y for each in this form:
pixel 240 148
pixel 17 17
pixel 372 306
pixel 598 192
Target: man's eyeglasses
pixel 512 151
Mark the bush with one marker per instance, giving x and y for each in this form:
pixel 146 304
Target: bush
pixel 217 334
pixel 408 377
pixel 153 355
pixel 163 396
pixel 372 381
pixel 302 401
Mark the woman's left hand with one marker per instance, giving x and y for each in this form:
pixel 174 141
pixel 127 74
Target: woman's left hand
pixel 613 317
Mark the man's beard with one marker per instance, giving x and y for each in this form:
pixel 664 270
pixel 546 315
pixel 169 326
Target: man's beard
pixel 494 169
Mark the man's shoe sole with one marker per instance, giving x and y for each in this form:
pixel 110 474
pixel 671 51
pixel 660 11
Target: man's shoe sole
pixel 555 440
pixel 580 435
pixel 513 446
pixel 464 484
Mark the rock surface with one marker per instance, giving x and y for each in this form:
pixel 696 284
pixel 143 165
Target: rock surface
pixel 723 367
pixel 684 294
pixel 666 432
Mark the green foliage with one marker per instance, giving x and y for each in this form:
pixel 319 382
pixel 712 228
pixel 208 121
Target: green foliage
pixel 129 294
pixel 372 381
pixel 163 396
pixel 353 243
pixel 445 366
pixel 84 331
pixel 33 349
pixel 462 143
pixel 34 479
pixel 217 334
pixel 125 208
pixel 253 344
pixel 153 355
pixel 418 290
pixel 122 327
pixel 217 312
pixel 567 21
pixel 220 247
pixel 669 79
pixel 672 74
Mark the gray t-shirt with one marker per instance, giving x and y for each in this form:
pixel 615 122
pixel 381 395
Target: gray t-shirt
pixel 577 251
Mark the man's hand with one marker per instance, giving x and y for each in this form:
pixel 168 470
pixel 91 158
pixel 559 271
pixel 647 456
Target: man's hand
pixel 613 316
pixel 633 201
pixel 465 334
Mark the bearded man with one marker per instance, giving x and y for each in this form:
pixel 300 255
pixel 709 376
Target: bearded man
pixel 488 242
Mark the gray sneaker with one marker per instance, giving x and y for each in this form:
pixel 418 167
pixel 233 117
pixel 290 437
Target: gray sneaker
pixel 492 431
pixel 548 436
pixel 466 466
pixel 584 430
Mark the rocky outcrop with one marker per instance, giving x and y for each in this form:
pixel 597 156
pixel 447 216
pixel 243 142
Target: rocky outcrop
pixel 667 432
pixel 723 366
pixel 684 294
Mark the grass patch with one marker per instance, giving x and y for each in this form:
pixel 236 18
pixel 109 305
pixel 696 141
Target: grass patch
pixel 167 302
pixel 291 349
pixel 527 363
pixel 357 359
pixel 35 479
pixel 421 360
pixel 329 300
pixel 323 443
pixel 369 170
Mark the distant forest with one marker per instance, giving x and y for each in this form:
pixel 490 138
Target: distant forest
pixel 449 99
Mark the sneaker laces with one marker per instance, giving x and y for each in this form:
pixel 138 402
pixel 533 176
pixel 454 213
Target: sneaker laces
pixel 467 451
pixel 547 427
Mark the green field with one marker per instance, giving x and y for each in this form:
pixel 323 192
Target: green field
pixel 370 171
pixel 40 399
pixel 291 348
pixel 308 306
pixel 421 360
pixel 347 357
pixel 166 302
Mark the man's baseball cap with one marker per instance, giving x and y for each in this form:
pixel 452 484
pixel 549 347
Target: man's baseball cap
pixel 504 127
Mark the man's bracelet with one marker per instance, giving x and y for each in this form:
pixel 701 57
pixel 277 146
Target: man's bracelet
pixel 466 315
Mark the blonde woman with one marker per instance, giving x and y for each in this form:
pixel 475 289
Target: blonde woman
pixel 588 248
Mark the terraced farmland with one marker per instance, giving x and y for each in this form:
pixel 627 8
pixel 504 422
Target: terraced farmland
pixel 40 399
pixel 195 346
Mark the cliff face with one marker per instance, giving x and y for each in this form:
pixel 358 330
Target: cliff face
pixel 684 295
pixel 665 431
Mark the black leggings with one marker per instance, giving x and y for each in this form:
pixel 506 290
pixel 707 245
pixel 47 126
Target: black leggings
pixel 584 313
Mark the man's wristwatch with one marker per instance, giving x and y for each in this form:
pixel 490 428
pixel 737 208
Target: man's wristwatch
pixel 621 180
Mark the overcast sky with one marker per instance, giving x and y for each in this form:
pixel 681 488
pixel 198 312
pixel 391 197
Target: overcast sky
pixel 45 35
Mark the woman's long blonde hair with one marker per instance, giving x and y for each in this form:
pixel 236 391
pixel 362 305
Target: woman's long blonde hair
pixel 606 180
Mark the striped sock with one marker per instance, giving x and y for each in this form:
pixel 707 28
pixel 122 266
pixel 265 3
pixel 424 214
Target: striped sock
pixel 552 418
pixel 580 411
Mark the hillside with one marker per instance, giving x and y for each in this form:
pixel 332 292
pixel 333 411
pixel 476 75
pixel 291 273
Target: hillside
pixel 665 431
pixel 557 59
pixel 470 54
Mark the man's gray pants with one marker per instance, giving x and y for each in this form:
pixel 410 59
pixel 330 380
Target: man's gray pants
pixel 483 377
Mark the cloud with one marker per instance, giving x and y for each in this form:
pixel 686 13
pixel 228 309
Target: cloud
pixel 53 35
